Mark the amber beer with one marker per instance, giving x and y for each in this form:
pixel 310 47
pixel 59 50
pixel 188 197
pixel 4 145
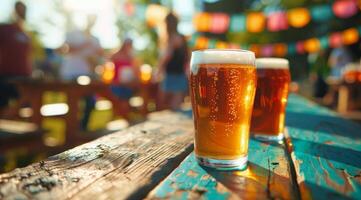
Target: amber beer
pixel 223 84
pixel 268 117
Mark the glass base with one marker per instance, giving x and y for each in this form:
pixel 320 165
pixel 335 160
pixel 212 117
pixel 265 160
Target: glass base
pixel 265 137
pixel 237 164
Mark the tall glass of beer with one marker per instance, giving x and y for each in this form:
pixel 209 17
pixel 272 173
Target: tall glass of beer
pixel 268 117
pixel 223 84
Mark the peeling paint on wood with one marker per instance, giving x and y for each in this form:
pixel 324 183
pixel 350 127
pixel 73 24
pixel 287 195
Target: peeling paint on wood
pixel 325 149
pixel 267 177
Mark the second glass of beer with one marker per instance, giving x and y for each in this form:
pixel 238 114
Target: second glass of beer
pixel 268 117
pixel 223 84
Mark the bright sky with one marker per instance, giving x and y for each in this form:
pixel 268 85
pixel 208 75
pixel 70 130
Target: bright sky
pixel 45 17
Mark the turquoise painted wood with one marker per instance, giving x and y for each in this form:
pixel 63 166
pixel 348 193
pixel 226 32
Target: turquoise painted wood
pixel 267 177
pixel 326 151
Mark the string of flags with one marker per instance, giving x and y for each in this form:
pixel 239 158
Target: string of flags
pixel 257 21
pixel 280 20
pixel 311 45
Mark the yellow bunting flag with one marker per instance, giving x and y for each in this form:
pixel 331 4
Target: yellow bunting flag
pixel 155 14
pixel 255 22
pixel 221 45
pixel 202 22
pixel 201 43
pixel 298 17
pixel 350 36
pixel 280 49
pixel 312 45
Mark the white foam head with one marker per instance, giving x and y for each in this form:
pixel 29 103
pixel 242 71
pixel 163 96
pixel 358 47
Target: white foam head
pixel 272 63
pixel 221 56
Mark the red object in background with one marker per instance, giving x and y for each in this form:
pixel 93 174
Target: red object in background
pixel 15 47
pixel 352 76
pixel 345 8
pixel 300 48
pixel 219 23
pixel 277 21
pixel 267 50
pixel 129 8
pixel 335 40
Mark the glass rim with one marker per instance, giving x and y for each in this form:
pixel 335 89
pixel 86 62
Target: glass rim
pixel 225 56
pixel 272 63
pixel 220 50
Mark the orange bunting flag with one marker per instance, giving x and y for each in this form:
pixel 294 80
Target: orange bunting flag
pixel 201 43
pixel 280 49
pixel 298 17
pixel 312 45
pixel 255 22
pixel 350 36
pixel 256 49
pixel 221 45
pixel 202 22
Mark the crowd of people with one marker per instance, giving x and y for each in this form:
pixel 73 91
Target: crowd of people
pixel 21 56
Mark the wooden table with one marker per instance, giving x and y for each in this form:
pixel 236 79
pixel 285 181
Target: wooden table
pixel 320 159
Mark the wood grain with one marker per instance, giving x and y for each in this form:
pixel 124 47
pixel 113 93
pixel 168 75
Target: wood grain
pixel 126 164
pixel 326 151
pixel 268 176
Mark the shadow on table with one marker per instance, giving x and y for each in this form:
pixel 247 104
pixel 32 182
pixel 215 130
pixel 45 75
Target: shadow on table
pixel 323 123
pixel 257 182
pixel 330 152
pixel 319 192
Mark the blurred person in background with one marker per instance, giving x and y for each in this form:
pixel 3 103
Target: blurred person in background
pixel 82 51
pixel 319 72
pixel 125 71
pixel 173 64
pixel 338 59
pixel 15 54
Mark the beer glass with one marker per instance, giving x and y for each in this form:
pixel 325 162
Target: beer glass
pixel 222 87
pixel 268 116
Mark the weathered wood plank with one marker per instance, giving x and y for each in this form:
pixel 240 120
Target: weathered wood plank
pixel 268 176
pixel 326 151
pixel 126 164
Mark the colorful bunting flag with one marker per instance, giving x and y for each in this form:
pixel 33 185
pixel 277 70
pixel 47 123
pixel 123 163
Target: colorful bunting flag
pixel 345 8
pixel 311 45
pixel 255 22
pixel 277 21
pixel 238 23
pixel 298 17
pixel 321 13
pixel 219 23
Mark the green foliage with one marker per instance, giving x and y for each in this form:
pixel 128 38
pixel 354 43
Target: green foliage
pixel 134 27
